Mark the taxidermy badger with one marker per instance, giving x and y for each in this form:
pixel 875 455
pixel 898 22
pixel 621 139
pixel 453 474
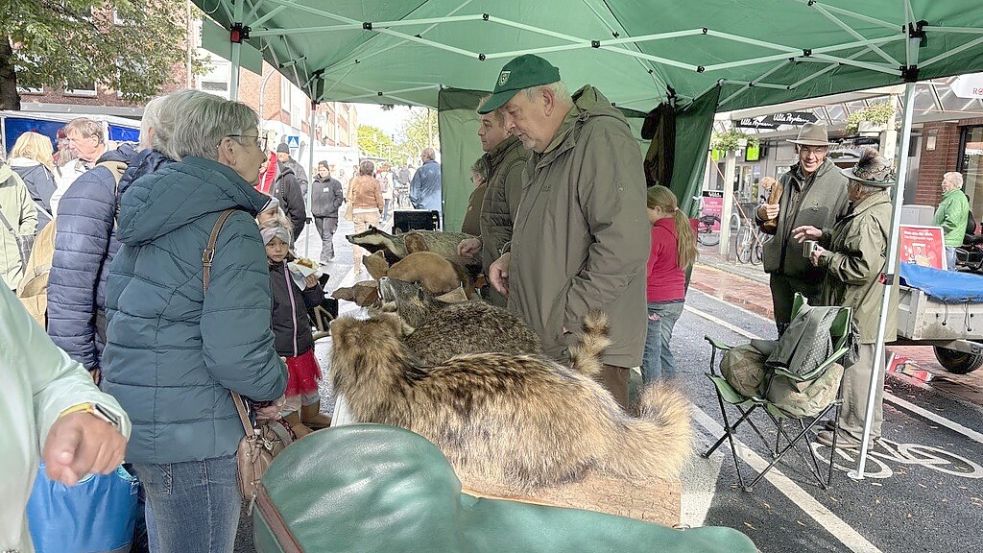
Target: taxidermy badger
pixel 398 246
pixel 519 421
pixel 436 330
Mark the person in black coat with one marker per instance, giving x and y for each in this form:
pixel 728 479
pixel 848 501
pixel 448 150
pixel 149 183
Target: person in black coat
pixel 292 334
pixel 327 196
pixel 286 189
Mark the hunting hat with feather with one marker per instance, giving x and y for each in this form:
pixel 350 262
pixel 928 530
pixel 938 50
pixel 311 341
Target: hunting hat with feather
pixel 871 170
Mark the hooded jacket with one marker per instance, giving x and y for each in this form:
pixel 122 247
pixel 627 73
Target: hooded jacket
pixel 173 352
pixel 581 236
pixel 39 382
pixel 291 325
pixel 505 165
pixel 40 183
pixel 85 244
pixel 822 199
pixel 856 255
pixel 952 215
pixel 287 190
pixel 425 192
pixel 19 210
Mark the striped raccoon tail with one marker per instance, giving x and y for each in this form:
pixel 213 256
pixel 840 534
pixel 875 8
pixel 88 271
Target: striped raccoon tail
pixel 585 355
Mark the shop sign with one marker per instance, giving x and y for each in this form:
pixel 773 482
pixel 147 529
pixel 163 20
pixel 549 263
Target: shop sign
pixel 713 204
pixel 775 120
pixel 968 86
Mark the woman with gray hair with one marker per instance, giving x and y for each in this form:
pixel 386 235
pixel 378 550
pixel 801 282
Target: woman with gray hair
pixel 175 350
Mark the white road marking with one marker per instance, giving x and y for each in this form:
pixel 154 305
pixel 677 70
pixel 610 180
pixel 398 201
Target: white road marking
pixel 911 407
pixel 826 518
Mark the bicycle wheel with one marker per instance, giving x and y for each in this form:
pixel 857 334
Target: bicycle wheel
pixel 756 253
pixel 708 238
pixel 744 244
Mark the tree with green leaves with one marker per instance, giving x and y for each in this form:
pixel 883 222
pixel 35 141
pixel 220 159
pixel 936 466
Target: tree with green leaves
pixel 131 46
pixel 375 143
pixel 419 131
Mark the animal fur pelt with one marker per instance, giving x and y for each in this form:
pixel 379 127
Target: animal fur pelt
pixel 519 421
pixel 437 331
pixel 398 246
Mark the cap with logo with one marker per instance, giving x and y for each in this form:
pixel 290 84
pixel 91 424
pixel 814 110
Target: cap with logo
pixel 519 74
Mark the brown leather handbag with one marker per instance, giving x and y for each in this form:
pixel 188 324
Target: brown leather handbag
pixel 265 440
pixel 770 226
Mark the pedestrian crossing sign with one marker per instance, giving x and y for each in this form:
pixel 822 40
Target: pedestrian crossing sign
pixel 293 141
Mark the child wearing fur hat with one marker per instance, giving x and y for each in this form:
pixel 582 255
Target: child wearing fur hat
pixel 292 330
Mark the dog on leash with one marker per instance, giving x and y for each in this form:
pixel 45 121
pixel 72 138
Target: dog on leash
pixel 518 421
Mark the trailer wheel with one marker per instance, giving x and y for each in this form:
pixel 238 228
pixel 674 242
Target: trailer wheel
pixel 958 362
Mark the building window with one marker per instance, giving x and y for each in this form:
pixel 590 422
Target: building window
pixel 216 80
pixel 971 166
pixel 81 88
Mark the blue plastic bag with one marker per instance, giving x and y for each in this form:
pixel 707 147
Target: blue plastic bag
pixel 94 516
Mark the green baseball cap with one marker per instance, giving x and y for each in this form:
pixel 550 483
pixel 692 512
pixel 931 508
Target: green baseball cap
pixel 519 74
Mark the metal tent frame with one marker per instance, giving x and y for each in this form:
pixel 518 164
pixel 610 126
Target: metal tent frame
pixel 245 20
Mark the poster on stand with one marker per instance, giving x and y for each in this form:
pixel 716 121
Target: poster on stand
pixel 922 245
pixel 712 205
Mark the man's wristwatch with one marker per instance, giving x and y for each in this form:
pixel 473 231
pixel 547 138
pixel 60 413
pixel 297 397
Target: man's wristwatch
pixel 97 411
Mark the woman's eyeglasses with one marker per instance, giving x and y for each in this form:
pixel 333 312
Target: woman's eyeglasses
pixel 260 140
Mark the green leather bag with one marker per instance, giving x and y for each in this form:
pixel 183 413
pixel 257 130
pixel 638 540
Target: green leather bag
pixel 374 488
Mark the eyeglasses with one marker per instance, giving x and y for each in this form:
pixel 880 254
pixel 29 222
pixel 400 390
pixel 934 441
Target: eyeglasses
pixel 260 140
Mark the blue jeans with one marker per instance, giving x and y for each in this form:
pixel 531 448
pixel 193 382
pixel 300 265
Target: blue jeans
pixel 657 360
pixel 192 507
pixel 950 258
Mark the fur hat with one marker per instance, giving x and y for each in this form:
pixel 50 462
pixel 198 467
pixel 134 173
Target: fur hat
pixel 871 170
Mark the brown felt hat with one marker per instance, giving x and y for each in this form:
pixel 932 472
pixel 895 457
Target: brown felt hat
pixel 812 134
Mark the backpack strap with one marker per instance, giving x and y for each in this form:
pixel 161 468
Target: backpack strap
pixel 209 253
pixel 117 168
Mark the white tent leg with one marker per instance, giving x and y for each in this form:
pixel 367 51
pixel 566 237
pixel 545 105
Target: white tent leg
pixel 236 51
pixel 311 133
pixel 890 270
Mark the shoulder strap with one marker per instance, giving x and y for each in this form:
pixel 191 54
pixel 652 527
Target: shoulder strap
pixel 209 253
pixel 6 223
pixel 206 261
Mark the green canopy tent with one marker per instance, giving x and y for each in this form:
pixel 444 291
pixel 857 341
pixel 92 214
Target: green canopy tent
pixel 702 56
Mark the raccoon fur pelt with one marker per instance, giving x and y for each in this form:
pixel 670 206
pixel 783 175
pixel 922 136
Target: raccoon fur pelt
pixel 519 421
pixel 436 331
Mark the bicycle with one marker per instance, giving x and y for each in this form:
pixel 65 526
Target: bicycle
pixel 749 241
pixel 705 234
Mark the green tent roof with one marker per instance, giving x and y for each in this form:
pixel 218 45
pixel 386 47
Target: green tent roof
pixel 635 51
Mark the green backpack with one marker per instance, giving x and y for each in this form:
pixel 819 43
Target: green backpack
pixel 373 488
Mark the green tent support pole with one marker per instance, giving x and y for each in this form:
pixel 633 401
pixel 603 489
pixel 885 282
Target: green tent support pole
pixel 236 35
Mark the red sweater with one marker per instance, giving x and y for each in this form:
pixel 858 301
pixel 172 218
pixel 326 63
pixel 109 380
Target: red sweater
pixel 666 280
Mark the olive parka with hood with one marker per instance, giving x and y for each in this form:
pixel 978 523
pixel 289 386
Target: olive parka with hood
pixel 581 235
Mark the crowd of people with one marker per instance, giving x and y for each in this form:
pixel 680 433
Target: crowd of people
pixel 168 327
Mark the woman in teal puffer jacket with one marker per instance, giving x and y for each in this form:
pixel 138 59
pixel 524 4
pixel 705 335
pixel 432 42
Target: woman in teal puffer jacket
pixel 174 353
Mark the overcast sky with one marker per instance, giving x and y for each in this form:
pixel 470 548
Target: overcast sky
pixel 389 121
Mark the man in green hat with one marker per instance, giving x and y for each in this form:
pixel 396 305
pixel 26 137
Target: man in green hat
pixel 813 193
pixel 581 234
pixel 852 254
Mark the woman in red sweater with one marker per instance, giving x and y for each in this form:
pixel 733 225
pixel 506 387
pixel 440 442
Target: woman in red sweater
pixel 673 251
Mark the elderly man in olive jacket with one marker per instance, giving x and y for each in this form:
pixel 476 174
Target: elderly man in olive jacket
pixel 852 254
pixel 813 194
pixel 581 235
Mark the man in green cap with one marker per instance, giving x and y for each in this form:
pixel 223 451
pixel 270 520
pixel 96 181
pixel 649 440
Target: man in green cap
pixel 813 193
pixel 581 235
pixel 852 254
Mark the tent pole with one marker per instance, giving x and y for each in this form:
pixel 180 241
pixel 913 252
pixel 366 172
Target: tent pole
pixel 311 134
pixel 849 30
pixel 730 174
pixel 890 270
pixel 952 52
pixel 236 52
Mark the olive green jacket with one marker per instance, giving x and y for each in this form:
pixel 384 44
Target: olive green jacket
pixel 501 200
pixel 581 236
pixel 856 257
pixel 19 210
pixel 823 199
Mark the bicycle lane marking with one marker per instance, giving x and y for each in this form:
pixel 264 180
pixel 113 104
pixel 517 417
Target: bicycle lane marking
pixel 907 405
pixel 833 524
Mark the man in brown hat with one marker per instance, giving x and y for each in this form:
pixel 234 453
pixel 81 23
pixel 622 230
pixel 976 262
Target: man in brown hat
pixel 813 194
pixel 852 255
pixel 581 235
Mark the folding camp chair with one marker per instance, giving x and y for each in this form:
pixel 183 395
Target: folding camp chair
pixel 728 395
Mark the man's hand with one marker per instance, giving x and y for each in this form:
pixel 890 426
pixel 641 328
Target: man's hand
pixel 79 444
pixel 816 254
pixel 469 247
pixel 770 211
pixel 803 233
pixel 498 273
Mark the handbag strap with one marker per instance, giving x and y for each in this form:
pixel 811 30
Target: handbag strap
pixel 6 223
pixel 207 256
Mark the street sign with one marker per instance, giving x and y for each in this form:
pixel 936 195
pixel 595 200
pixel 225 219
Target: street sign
pixel 293 141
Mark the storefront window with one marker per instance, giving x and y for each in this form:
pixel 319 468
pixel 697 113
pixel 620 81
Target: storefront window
pixel 972 168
